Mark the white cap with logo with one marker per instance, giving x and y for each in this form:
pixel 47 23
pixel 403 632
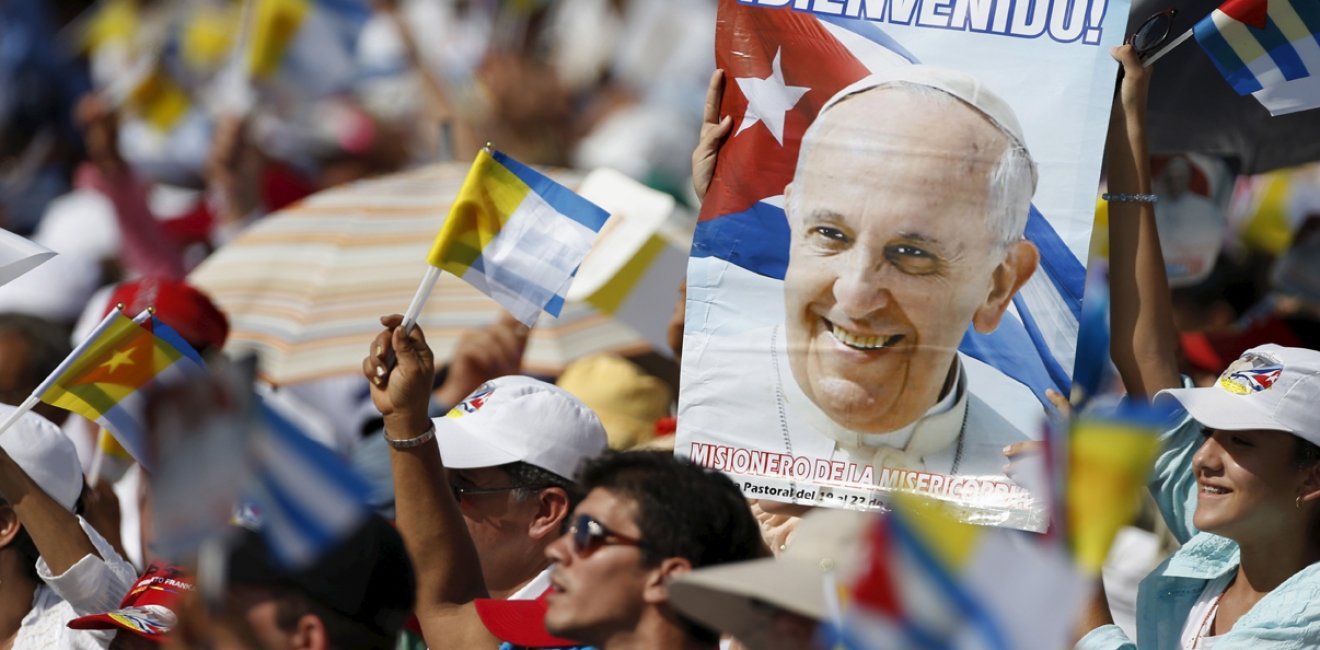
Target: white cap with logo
pixel 520 419
pixel 1269 387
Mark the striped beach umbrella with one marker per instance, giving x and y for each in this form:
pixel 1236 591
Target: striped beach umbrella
pixel 304 287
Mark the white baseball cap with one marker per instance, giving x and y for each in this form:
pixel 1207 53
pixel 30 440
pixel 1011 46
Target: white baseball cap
pixel 732 597
pixel 1268 387
pixel 45 454
pixel 520 419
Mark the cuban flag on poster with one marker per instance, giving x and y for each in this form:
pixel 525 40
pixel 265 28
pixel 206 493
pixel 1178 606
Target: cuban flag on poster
pixel 774 87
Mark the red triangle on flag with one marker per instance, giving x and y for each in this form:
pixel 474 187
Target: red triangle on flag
pixel 753 165
pixel 1249 12
pixel 875 589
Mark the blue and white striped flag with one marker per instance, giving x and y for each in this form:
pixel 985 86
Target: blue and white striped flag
pixel 305 497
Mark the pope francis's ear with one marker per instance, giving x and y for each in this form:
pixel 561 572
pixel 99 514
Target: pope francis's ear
pixel 1020 261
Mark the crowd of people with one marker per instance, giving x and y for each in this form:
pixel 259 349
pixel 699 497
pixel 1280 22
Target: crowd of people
pixel 513 511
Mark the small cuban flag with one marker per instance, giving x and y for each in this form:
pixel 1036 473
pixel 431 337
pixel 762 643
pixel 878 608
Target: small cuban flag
pixel 516 235
pixel 1258 44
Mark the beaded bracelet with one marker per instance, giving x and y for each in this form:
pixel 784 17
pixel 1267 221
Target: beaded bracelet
pixel 1130 198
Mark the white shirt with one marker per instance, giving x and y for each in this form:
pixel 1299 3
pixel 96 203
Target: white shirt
pixel 91 586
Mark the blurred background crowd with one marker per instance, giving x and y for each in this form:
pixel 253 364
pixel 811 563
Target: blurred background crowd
pixel 137 137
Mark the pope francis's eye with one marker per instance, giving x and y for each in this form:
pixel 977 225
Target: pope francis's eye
pixel 832 233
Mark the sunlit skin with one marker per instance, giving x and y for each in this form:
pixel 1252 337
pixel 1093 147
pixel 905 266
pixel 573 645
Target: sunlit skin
pixel 498 523
pixel 892 250
pixel 595 596
pixel 1249 483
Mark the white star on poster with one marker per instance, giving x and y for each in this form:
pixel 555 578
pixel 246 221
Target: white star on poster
pixel 768 100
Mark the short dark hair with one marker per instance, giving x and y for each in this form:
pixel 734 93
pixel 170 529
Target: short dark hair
pixel 536 479
pixel 341 632
pixel 1306 454
pixel 683 510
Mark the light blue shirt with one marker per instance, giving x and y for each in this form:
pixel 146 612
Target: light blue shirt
pixel 1286 618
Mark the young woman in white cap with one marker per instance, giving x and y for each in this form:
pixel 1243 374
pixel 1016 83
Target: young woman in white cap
pixel 1238 480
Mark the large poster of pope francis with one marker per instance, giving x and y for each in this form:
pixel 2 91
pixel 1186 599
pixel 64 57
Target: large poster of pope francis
pixel 887 272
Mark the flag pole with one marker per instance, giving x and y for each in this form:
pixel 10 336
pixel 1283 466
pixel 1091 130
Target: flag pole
pixel 424 289
pixel 1166 49
pixel 419 298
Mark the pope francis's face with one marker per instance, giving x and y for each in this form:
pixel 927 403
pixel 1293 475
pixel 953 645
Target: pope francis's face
pixel 892 255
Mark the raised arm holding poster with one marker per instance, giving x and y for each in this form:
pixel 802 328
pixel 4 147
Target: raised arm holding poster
pixel 887 272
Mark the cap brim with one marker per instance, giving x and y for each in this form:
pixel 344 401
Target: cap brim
pixel 461 448
pixel 1215 408
pixel 519 622
pixel 733 598
pixel 105 622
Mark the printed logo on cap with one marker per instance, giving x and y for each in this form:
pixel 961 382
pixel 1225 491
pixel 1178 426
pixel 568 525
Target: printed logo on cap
pixel 148 619
pixel 1252 373
pixel 473 403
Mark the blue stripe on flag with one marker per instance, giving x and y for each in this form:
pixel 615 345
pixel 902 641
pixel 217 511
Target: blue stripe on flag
pixel 1281 50
pixel 125 427
pixel 354 10
pixel 756 239
pixel 1061 379
pixel 292 527
pixel 1063 269
pixel 1224 57
pixel 281 506
pixel 947 583
pixel 1006 350
pixel 1309 12
pixel 169 336
pixel 563 200
pixel 870 32
pixel 555 305
pixel 327 463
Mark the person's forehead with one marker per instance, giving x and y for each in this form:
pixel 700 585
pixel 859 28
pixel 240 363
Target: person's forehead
pixel 895 123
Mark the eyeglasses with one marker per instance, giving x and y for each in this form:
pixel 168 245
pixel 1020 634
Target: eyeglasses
pixel 1153 33
pixel 588 535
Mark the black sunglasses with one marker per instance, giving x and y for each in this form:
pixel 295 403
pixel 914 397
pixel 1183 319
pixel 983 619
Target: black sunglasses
pixel 588 535
pixel 1153 33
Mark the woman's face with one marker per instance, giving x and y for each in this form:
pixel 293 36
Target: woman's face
pixel 1249 482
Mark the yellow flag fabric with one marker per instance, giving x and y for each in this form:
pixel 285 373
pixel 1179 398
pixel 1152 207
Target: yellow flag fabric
pixel 275 23
pixel 1109 463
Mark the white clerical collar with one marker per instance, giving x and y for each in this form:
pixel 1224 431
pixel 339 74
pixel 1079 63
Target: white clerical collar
pixel 930 433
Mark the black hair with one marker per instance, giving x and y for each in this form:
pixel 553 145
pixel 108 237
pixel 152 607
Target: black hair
pixel 534 479
pixel 683 510
pixel 1306 454
pixel 341 631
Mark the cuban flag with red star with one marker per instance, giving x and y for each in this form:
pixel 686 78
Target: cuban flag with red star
pixel 781 66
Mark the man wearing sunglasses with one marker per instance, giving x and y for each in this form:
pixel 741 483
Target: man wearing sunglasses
pixel 648 518
pixel 482 492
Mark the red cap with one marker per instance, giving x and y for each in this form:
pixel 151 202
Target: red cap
pixel 520 622
pixel 1213 351
pixel 149 608
pixel 185 309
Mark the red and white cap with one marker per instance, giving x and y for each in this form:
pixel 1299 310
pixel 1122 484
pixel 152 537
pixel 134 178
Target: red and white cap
pixel 1269 387
pixel 520 419
pixel 149 609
